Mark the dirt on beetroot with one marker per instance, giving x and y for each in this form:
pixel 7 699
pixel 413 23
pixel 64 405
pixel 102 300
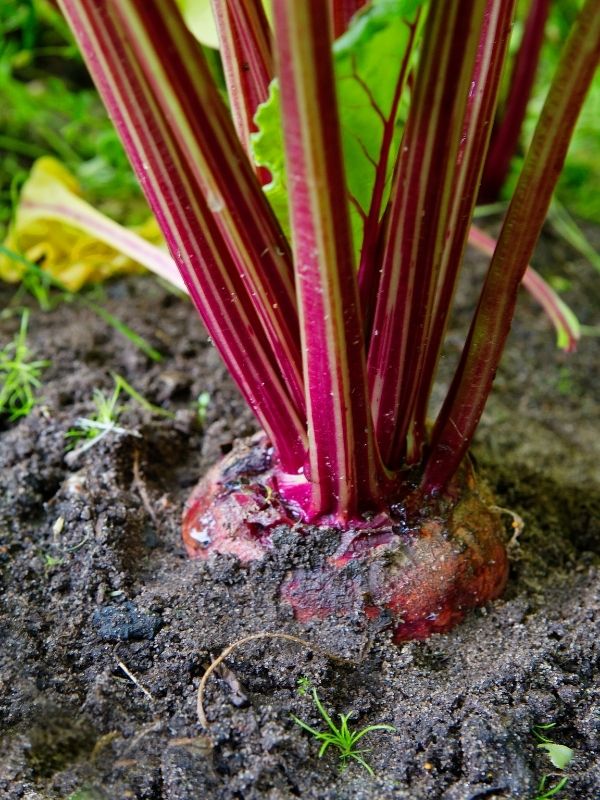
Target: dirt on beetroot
pixel 106 627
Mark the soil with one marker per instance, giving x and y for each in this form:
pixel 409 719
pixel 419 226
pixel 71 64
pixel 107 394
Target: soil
pixel 106 626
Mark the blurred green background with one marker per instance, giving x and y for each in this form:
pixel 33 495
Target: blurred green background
pixel 49 107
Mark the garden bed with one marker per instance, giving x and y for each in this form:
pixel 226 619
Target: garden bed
pixel 107 627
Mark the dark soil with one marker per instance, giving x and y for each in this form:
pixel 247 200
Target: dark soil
pixel 95 582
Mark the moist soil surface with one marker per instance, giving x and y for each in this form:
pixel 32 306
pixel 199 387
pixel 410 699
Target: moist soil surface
pixel 107 627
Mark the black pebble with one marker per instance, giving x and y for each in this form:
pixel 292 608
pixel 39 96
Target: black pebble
pixel 125 622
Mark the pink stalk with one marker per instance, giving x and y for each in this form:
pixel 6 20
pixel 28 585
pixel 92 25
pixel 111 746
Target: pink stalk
pixel 344 469
pixel 561 316
pixel 245 46
pixel 468 393
pixel 342 12
pixel 480 109
pixel 421 206
pixel 505 135
pixel 187 214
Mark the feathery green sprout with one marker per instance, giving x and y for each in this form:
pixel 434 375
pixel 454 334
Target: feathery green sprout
pixel 560 756
pixel 108 410
pixel 19 376
pixel 102 422
pixel 342 737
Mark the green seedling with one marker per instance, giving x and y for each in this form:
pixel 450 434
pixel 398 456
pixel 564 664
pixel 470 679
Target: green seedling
pixel 202 404
pixel 51 561
pixel 545 792
pixel 341 738
pixel 102 422
pixel 19 376
pixel 560 757
pixel 559 754
pixel 108 411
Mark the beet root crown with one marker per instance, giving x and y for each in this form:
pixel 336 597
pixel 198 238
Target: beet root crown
pixel 415 570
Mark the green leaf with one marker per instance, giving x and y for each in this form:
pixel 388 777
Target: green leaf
pixel 367 61
pixel 559 754
pixel 199 19
pixel 368 58
pixel 267 150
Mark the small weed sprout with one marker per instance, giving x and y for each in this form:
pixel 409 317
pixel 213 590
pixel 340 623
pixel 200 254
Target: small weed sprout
pixel 104 421
pixel 202 404
pixel 51 561
pixel 19 376
pixel 342 738
pixel 546 793
pixel 560 756
pixel 101 423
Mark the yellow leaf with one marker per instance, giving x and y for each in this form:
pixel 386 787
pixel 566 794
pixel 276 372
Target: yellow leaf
pixel 58 230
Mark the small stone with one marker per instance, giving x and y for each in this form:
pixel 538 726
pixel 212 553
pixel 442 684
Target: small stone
pixel 121 623
pixel 58 526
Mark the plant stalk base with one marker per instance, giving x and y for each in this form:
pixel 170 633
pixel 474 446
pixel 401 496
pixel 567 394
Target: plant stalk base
pixel 419 572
